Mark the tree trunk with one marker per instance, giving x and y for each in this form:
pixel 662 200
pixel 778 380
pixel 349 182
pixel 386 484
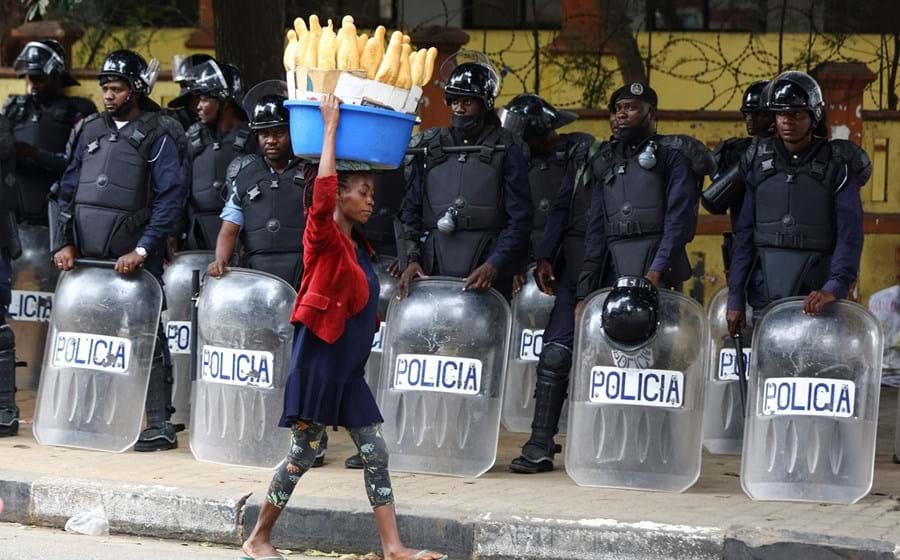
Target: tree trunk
pixel 621 38
pixel 251 37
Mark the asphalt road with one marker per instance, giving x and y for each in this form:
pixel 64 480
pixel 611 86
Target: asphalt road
pixel 18 542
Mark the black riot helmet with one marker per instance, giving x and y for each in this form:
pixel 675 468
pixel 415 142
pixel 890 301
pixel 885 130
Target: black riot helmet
pixel 631 312
pixel 217 79
pixel 183 75
pixel 44 57
pixel 264 103
pixel 795 91
pixel 753 101
pixel 473 79
pixel 532 117
pixel 131 67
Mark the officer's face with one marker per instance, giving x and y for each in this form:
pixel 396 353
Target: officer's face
pixel 465 106
pixel 116 94
pixel 37 85
pixel 758 122
pixel 207 109
pixel 357 197
pixel 275 143
pixel 793 126
pixel 630 113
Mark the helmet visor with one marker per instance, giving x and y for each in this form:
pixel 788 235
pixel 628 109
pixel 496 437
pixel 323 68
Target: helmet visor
pixel 463 56
pixel 38 58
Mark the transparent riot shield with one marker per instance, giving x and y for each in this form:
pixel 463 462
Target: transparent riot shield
pixel 388 284
pixel 33 283
pixel 97 359
pixel 723 415
pixel 531 312
pixel 635 418
pixel 442 378
pixel 177 325
pixel 814 389
pixel 244 340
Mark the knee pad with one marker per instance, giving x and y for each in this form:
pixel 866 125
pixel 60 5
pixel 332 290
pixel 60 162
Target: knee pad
pixel 555 361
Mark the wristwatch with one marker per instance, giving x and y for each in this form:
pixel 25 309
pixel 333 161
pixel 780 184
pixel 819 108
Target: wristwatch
pixel 141 251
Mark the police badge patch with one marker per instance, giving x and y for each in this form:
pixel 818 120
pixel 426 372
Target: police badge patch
pixel 637 89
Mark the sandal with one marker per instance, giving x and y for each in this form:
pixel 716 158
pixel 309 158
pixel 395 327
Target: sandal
pixel 419 555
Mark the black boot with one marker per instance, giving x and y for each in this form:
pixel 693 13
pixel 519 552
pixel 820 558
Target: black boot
pixel 549 395
pixel 160 433
pixel 9 412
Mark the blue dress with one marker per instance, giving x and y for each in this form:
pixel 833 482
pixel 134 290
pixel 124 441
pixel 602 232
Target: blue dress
pixel 326 383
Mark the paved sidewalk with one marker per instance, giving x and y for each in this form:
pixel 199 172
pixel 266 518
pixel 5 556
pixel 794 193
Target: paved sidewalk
pixel 499 515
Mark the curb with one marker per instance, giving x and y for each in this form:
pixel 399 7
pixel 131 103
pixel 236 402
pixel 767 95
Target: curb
pixel 347 525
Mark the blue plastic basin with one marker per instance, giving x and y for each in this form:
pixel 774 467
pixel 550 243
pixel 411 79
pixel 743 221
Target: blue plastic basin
pixel 376 136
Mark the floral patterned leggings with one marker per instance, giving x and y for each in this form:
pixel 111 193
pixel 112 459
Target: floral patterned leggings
pixel 304 444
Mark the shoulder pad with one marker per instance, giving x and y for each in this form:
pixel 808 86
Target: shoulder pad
pixel 422 138
pixel 10 101
pixel 702 161
pixel 82 106
pixel 856 158
pixel 237 164
pixel 173 128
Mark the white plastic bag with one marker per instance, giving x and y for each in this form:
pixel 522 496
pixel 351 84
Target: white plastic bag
pixel 93 523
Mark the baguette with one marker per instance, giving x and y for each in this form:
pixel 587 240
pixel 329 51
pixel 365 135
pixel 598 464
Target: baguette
pixel 311 56
pixel 390 64
pixel 290 50
pixel 430 59
pixel 327 55
pixel 348 50
pixel 404 77
pixel 417 66
pixel 302 42
pixel 373 53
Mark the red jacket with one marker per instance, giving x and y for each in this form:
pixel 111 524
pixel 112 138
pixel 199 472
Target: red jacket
pixel 334 286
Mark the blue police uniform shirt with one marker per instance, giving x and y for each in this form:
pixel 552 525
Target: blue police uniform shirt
pixel 848 214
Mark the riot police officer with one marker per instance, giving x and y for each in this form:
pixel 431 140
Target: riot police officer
pixel 128 148
pixel 473 209
pixel 644 210
pixel 221 135
pixel 266 205
pixel 558 255
pixel 9 249
pixel 184 106
pixel 41 123
pixel 726 194
pixel 800 230
pixel 549 152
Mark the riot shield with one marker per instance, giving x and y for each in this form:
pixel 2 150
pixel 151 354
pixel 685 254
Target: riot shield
pixel 97 359
pixel 177 324
pixel 244 340
pixel 635 417
pixel 530 312
pixel 387 285
pixel 442 378
pixel 723 415
pixel 814 389
pixel 33 282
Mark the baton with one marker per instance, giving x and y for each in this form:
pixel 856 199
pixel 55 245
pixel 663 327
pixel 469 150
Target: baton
pixel 195 298
pixel 95 262
pixel 455 150
pixel 742 371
